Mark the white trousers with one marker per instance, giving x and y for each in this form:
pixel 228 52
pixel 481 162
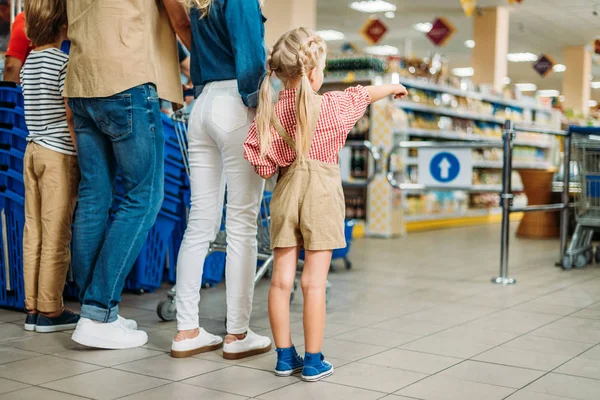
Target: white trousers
pixel 218 127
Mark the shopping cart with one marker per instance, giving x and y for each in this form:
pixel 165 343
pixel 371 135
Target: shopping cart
pixel 586 154
pixel 167 309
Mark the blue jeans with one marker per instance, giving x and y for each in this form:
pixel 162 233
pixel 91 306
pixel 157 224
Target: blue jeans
pixel 122 132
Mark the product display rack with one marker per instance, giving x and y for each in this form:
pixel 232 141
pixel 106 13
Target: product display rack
pixel 445 113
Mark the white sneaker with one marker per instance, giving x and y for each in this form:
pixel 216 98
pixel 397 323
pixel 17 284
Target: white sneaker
pixel 202 343
pixel 129 323
pixel 251 345
pixel 114 335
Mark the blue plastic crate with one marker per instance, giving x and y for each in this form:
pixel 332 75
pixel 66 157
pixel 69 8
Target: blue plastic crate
pixel 147 272
pixel 592 186
pixel 13 136
pixel 12 291
pixel 214 269
pixel 11 92
pixel 341 253
pixel 10 113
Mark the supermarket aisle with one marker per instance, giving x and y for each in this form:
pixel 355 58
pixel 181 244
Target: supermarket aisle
pixel 415 319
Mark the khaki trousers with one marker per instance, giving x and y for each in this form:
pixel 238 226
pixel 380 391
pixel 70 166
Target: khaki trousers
pixel 51 181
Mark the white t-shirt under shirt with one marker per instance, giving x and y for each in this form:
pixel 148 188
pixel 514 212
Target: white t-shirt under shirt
pixel 43 80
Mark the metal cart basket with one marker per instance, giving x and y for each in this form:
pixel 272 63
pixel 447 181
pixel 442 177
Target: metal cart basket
pixel 586 154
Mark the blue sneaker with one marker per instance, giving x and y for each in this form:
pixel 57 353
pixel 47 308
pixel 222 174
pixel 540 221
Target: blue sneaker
pixel 315 367
pixel 65 321
pixel 30 322
pixel 288 362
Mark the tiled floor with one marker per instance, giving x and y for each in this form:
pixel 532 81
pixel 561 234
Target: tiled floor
pixel 415 319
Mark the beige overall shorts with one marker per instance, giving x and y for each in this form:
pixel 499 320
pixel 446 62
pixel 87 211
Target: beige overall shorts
pixel 308 207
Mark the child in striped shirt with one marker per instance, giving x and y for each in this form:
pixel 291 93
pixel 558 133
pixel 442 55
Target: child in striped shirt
pixel 51 172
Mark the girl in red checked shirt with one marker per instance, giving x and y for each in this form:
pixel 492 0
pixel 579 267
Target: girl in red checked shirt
pixel 301 137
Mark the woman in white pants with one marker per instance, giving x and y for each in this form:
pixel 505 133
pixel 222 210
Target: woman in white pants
pixel 228 62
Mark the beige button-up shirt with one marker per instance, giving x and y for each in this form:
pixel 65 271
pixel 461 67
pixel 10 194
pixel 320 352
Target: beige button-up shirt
pixel 120 44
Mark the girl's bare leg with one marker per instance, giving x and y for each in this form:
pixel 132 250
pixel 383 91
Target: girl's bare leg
pixel 282 283
pixel 314 285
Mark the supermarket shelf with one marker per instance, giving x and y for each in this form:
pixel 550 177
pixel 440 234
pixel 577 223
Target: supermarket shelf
pixel 468 213
pixel 409 105
pixel 416 223
pixel 496 164
pixel 416 188
pixel 417 84
pixel 453 135
pixel 355 77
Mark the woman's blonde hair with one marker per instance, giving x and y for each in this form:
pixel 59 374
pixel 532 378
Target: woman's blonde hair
pixel 293 57
pixel 204 5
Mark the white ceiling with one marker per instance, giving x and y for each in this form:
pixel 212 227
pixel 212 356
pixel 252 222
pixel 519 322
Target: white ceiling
pixel 536 26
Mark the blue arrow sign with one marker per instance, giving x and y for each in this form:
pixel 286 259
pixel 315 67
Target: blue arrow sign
pixel 444 167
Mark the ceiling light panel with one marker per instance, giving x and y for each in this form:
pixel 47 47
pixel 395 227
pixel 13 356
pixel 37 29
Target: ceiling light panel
pixel 521 57
pixel 330 35
pixel 372 6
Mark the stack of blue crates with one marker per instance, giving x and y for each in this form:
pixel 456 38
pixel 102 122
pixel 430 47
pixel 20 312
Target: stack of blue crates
pixel 12 213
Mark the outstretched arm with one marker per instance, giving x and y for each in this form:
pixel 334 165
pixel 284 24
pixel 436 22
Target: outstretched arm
pixel 379 92
pixel 180 21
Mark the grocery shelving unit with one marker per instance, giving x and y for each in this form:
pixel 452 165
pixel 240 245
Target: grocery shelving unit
pixel 444 113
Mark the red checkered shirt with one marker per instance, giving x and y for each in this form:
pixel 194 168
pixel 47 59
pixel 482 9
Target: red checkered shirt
pixel 340 111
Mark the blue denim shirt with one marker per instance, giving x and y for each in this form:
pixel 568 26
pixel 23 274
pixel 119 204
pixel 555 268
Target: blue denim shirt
pixel 228 44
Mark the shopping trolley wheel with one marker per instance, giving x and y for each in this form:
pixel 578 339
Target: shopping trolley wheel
pixel 580 261
pixel 567 262
pixel 598 254
pixel 589 256
pixel 166 310
pixel 348 264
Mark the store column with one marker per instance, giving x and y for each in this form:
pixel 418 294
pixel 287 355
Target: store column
pixel 576 79
pixel 283 15
pixel 490 33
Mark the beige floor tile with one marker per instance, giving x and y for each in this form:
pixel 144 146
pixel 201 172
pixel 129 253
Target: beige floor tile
pixel 167 367
pixel 548 345
pixel 377 337
pixel 105 384
pixel 452 314
pixel 180 391
pixel 478 336
pixel 523 358
pixel 513 321
pixel 446 347
pixel 523 395
pixel 350 351
pixel 545 308
pixel 241 381
pixel 493 374
pixel 12 331
pixel 567 386
pixel 444 388
pixel 320 390
pixel 12 316
pixel 412 326
pixel 36 371
pixel 108 358
pixel 354 318
pixel 575 329
pixel 374 377
pixel 38 393
pixel 8 386
pixel 412 361
pixel 593 353
pixel 46 343
pixel 579 366
pixel 587 313
pixel 217 356
pixel 11 354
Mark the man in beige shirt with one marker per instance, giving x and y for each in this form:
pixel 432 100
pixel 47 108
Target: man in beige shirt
pixel 123 57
